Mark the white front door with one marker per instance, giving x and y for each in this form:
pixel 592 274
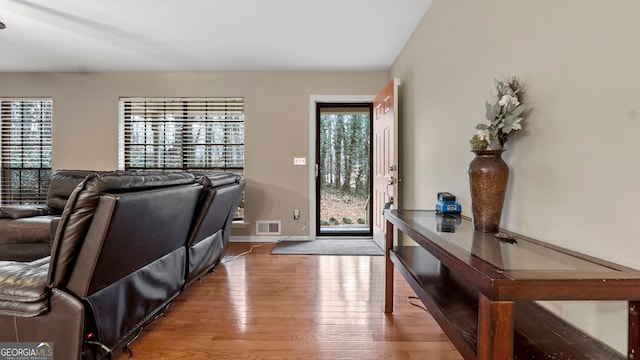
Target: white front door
pixel 385 156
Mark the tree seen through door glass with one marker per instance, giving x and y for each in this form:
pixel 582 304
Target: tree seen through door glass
pixel 344 170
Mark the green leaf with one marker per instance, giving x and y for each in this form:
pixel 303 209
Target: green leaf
pixel 519 110
pixel 511 123
pixel 491 112
pixel 516 125
pixel 494 144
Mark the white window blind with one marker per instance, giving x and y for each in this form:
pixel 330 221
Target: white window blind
pixel 26 150
pixel 184 133
pixel 201 134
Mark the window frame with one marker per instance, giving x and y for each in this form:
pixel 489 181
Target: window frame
pixel 26 158
pixel 157 134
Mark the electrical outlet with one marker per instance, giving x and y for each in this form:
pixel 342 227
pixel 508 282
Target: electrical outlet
pixel 296 214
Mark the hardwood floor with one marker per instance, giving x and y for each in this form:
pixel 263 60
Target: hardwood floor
pixel 262 306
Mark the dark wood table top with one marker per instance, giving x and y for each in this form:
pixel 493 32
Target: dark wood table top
pixel 516 268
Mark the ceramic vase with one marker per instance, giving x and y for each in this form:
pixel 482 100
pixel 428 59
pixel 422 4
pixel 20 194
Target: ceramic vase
pixel 488 176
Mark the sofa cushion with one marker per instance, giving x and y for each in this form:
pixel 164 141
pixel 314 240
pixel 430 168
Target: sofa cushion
pixel 24 252
pixel 25 239
pixel 23 287
pixel 22 211
pixel 28 230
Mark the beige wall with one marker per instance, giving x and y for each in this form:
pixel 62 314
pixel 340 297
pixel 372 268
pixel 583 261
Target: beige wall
pixel 574 173
pixel 85 123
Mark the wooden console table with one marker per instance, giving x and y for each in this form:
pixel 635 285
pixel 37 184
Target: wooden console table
pixel 482 290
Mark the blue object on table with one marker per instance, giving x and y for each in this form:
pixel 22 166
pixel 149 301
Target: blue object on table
pixel 447 203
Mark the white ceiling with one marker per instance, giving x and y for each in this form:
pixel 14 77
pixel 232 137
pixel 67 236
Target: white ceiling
pixel 205 35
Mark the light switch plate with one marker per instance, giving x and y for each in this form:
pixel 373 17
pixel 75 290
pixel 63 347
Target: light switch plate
pixel 299 161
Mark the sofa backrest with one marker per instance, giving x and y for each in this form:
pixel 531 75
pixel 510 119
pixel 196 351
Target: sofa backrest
pixel 220 198
pixel 216 209
pixel 62 184
pixel 80 213
pixel 120 247
pixel 235 201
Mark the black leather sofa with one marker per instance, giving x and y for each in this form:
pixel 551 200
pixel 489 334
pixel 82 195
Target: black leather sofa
pixel 211 229
pixel 126 245
pixel 26 231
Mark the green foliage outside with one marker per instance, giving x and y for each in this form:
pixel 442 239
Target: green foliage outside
pixel 26 150
pixel 344 166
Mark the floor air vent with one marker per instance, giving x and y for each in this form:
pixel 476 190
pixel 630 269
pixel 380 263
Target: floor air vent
pixel 268 228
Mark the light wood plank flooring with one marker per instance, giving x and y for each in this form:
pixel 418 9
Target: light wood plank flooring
pixel 262 306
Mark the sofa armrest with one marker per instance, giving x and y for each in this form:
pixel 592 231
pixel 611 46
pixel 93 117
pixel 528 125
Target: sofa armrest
pixel 23 211
pixel 23 288
pixel 53 227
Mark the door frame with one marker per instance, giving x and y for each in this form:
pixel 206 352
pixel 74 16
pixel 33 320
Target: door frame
pixel 339 233
pixel 313 100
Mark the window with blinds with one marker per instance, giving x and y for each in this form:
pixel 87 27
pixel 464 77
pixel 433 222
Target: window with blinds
pixel 193 134
pixel 26 150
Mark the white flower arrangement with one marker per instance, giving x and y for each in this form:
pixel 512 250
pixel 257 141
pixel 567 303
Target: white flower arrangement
pixel 505 116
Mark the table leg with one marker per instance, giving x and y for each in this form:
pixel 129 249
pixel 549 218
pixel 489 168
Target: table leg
pixel 495 329
pixel 634 330
pixel 388 279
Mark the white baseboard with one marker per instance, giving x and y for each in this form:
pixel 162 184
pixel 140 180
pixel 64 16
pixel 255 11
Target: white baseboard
pixel 269 238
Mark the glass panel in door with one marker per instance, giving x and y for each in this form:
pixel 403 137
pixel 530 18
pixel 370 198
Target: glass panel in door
pixel 343 182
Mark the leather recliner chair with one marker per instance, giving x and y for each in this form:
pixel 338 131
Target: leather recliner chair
pixel 211 229
pixel 26 231
pixel 118 259
pixel 126 245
